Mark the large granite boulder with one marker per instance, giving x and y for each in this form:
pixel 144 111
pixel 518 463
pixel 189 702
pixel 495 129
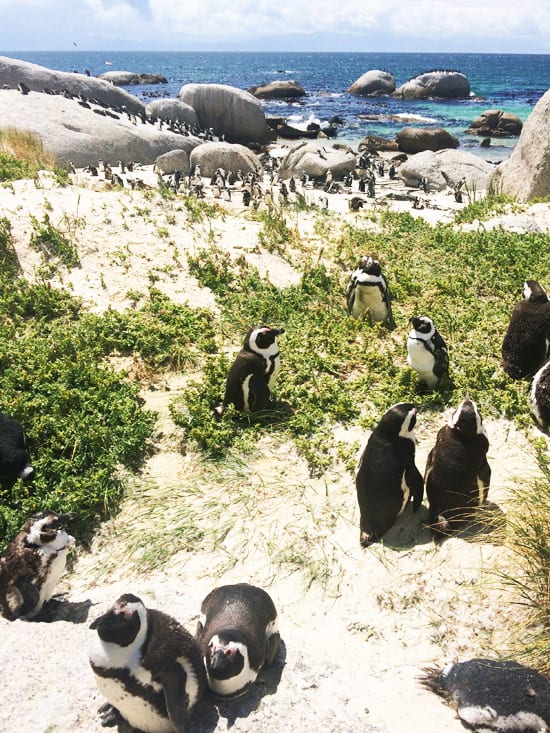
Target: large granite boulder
pixel 175 160
pixel 374 143
pixel 416 139
pixel 373 83
pixel 130 78
pixel 445 168
pixel 39 79
pixel 279 89
pixel 227 111
pixel 231 157
pixel 526 173
pixel 496 123
pixel 171 110
pixel 445 84
pixel 316 161
pixel 71 132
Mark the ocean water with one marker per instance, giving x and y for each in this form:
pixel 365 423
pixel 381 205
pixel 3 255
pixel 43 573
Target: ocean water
pixel 511 82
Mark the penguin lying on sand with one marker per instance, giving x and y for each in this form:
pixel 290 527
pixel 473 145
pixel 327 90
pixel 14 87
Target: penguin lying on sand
pixel 147 666
pixel 367 292
pixel 427 352
pixel 490 695
pixel 253 371
pixel 387 477
pixel 526 344
pixel 539 396
pixel 32 565
pixel 457 472
pixel 238 635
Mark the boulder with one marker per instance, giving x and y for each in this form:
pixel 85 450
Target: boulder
pixel 130 78
pixel 416 139
pixel 373 83
pixel 315 162
pixel 175 160
pixel 231 157
pixel 445 84
pixel 171 110
pixel 373 143
pixel 496 123
pixel 526 173
pixel 71 132
pixel 279 89
pixel 39 79
pixel 445 168
pixel 227 111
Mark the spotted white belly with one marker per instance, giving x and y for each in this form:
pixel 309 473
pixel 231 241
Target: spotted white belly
pixel 139 713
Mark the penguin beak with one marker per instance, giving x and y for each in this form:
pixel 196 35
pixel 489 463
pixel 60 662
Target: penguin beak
pixel 277 331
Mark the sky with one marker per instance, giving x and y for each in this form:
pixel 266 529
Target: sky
pixel 490 26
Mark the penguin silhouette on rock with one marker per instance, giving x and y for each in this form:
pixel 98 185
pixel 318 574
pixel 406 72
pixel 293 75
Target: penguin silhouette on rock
pixel 251 375
pixel 32 565
pixel 526 344
pixel 367 292
pixel 427 352
pixel 147 666
pixel 387 477
pixel 457 471
pixel 238 635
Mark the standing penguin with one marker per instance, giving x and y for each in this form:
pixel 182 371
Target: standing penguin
pixel 457 472
pixel 367 292
pixel 387 477
pixel 526 344
pixel 426 351
pixel 539 396
pixel 147 666
pixel 238 635
pixel 253 371
pixel 14 458
pixel 32 565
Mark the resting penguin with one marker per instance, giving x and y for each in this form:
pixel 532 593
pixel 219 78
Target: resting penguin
pixel 238 635
pixel 253 371
pixel 490 695
pixel 457 472
pixel 32 565
pixel 387 477
pixel 526 344
pixel 147 666
pixel 427 352
pixel 14 458
pixel 539 396
pixel 367 292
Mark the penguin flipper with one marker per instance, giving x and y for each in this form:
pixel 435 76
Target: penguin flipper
pixel 272 646
pixel 109 716
pixel 350 294
pixel 173 684
pixel 484 476
pixel 415 482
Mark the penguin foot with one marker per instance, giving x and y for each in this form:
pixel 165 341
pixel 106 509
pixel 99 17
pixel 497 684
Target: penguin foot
pixel 367 538
pixel 109 715
pixel 218 411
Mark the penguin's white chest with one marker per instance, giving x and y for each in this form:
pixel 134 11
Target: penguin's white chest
pixel 274 364
pixel 419 358
pixel 369 298
pixel 136 710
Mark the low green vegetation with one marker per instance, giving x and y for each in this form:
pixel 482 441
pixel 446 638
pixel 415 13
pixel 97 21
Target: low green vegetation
pixel 22 155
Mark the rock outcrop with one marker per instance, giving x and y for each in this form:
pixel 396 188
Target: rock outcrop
pixel 445 168
pixel 175 160
pixel 496 123
pixel 279 89
pixel 373 83
pixel 315 162
pixel 228 111
pixel 445 84
pixel 171 110
pixel 231 157
pixel 374 143
pixel 416 139
pixel 130 78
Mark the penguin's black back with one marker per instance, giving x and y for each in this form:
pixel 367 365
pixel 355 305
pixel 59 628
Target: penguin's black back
pixel 525 346
pixel 247 364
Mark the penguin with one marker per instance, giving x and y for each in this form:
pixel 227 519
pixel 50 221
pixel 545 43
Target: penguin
pixel 32 565
pixel 387 477
pixel 147 666
pixel 493 695
pixel 427 352
pixel 539 397
pixel 367 292
pixel 251 376
pixel 457 472
pixel 14 458
pixel 526 344
pixel 238 635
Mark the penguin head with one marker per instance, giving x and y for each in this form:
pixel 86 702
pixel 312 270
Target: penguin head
pixel 370 266
pixel 423 327
pixel 534 292
pixel 47 530
pixel 466 421
pixel 261 340
pixel 227 663
pixel 399 421
pixel 122 622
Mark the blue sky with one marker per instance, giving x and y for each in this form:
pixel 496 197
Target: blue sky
pixel 313 25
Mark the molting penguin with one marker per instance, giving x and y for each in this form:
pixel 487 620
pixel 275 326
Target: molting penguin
pixel 32 565
pixel 491 695
pixel 147 666
pixel 539 396
pixel 387 477
pixel 253 371
pixel 457 472
pixel 367 292
pixel 526 344
pixel 14 458
pixel 238 635
pixel 427 352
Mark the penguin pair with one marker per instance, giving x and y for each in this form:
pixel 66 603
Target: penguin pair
pixel 32 565
pixel 367 292
pixel 427 352
pixel 526 343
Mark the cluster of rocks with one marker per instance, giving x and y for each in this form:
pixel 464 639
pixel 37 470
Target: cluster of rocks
pixel 439 83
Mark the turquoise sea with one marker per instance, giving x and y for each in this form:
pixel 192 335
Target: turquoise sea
pixel 511 82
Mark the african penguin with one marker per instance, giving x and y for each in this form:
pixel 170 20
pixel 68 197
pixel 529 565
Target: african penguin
pixel 238 635
pixel 32 565
pixel 253 371
pixel 526 344
pixel 493 695
pixel 539 396
pixel 457 473
pixel 387 477
pixel 427 352
pixel 14 458
pixel 147 666
pixel 367 291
